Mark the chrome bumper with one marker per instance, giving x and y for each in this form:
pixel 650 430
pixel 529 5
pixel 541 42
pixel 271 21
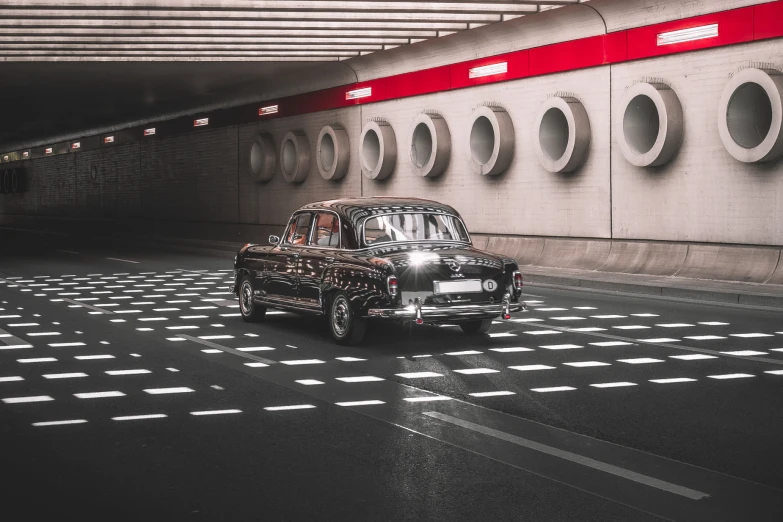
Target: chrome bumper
pixel 425 314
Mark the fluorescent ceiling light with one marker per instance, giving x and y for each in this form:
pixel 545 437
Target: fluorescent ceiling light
pixel 364 92
pixel 271 109
pixel 688 35
pixel 488 70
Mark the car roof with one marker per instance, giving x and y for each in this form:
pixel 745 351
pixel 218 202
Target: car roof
pixel 354 209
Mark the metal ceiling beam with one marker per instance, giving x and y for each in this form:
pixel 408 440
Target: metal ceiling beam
pixel 171 59
pixel 26 25
pixel 200 33
pixel 216 40
pixel 307 52
pixel 239 4
pixel 4 47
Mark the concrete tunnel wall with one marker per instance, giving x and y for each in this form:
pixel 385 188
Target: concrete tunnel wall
pixel 702 195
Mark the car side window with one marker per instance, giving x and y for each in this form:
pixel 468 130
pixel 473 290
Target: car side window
pixel 297 231
pixel 327 230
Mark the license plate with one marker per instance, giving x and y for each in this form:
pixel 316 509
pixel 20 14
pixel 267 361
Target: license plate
pixel 464 286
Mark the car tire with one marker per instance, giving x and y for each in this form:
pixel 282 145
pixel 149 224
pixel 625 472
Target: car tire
pixel 345 326
pixel 251 312
pixel 477 327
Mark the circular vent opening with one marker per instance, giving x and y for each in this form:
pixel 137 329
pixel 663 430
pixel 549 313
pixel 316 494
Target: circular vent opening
pixel 553 133
pixel 749 115
pixel 421 150
pixel 371 150
pixel 641 124
pixel 482 140
pixel 327 152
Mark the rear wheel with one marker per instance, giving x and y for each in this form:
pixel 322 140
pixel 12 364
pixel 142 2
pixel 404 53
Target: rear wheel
pixel 251 312
pixel 478 327
pixel 346 327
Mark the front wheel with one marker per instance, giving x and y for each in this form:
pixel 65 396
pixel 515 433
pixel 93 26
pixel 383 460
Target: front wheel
pixel 346 327
pixel 251 312
pixel 478 327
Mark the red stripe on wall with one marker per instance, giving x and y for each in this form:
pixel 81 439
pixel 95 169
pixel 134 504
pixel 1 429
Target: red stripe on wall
pixel 419 82
pixel 733 27
pixel 768 21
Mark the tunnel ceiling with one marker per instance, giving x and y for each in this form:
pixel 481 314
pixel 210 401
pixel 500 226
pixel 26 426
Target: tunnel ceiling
pixel 71 65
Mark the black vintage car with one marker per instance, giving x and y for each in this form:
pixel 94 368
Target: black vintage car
pixel 358 259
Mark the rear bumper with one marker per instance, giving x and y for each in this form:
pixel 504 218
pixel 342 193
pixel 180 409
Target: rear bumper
pixel 447 312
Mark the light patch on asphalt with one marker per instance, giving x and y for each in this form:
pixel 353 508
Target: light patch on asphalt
pixel 542 332
pixel 214 412
pixel 36 360
pixel 674 325
pixel 744 353
pixel 297 362
pixel 418 375
pixel 93 357
pixel 672 380
pixel 140 417
pixel 492 394
pixel 609 316
pixel 60 423
pixel 704 337
pixel 586 364
pixel 659 340
pixel 428 398
pixel 587 329
pixel 291 407
pixel 731 376
pixel 361 378
pixel 73 375
pixel 613 384
pixel 309 382
pixel 99 395
pixel 531 367
pixel 350 359
pixel 641 360
pixel 256 365
pixel 509 350
pixel 751 335
pixel 360 403
pixel 611 343
pixel 11 378
pixel 465 352
pixel 165 391
pixel 553 389
pixel 561 346
pixel 693 357
pixel 135 371
pixel 22 400
pixel 476 371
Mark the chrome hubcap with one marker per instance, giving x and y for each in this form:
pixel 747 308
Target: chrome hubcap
pixel 340 316
pixel 246 298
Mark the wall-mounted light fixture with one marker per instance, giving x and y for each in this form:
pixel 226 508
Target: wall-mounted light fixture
pixel 26 154
pixel 488 70
pixel 108 139
pixel 688 35
pixel 6 158
pixel 355 94
pixel 49 150
pixel 149 132
pixel 201 122
pixel 271 109
pixel 76 145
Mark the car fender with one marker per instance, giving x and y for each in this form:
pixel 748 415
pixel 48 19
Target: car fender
pixel 365 285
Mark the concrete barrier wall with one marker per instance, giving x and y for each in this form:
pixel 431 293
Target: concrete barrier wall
pixel 752 265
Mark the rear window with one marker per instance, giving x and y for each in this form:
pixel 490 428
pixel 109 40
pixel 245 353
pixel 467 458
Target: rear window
pixel 403 227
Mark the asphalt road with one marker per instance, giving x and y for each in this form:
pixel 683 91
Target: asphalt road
pixel 130 388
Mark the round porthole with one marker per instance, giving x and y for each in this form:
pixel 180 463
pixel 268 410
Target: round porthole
pixel 379 150
pixel 562 134
pixel 491 144
pixel 750 116
pixel 295 157
pixel 262 157
pixel 652 125
pixel 333 153
pixel 430 145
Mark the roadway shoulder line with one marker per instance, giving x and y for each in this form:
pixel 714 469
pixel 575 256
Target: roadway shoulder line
pixel 573 457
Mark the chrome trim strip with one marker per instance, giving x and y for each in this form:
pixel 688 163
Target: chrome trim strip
pixel 430 313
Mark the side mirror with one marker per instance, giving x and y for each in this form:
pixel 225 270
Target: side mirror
pixel 274 240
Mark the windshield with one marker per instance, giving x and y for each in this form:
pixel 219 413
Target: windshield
pixel 395 228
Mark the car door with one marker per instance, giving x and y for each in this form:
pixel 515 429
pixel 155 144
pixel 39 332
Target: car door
pixel 323 244
pixel 282 280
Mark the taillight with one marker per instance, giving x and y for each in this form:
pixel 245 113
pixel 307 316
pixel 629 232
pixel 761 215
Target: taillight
pixel 518 280
pixel 391 283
